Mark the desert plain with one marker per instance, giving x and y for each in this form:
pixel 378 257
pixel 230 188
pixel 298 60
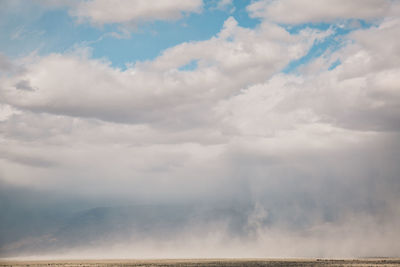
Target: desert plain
pixel 209 262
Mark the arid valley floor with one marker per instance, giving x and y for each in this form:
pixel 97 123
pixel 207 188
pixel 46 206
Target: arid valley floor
pixel 212 262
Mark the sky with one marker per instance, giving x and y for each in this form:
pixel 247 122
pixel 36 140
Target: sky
pixel 283 112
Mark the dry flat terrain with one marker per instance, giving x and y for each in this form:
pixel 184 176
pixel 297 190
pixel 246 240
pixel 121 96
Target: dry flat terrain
pixel 210 262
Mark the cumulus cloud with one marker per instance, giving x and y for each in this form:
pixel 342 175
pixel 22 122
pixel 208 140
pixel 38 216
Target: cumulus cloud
pixel 303 11
pixel 147 90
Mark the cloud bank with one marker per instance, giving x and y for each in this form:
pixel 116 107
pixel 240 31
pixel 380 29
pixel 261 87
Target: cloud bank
pixel 305 11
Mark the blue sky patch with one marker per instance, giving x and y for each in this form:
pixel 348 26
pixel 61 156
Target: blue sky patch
pixel 331 43
pixel 192 65
pixel 334 64
pixel 55 31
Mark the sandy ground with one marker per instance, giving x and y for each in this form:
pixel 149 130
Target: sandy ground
pixel 211 262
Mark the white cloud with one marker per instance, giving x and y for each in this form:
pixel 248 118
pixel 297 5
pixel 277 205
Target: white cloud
pixel 233 97
pixel 303 11
pixel 148 90
pixel 101 12
pixel 360 94
pixel 155 125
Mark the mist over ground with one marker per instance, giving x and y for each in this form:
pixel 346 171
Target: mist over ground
pixel 275 136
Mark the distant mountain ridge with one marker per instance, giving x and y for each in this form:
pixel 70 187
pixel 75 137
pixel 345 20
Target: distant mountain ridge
pixel 102 225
